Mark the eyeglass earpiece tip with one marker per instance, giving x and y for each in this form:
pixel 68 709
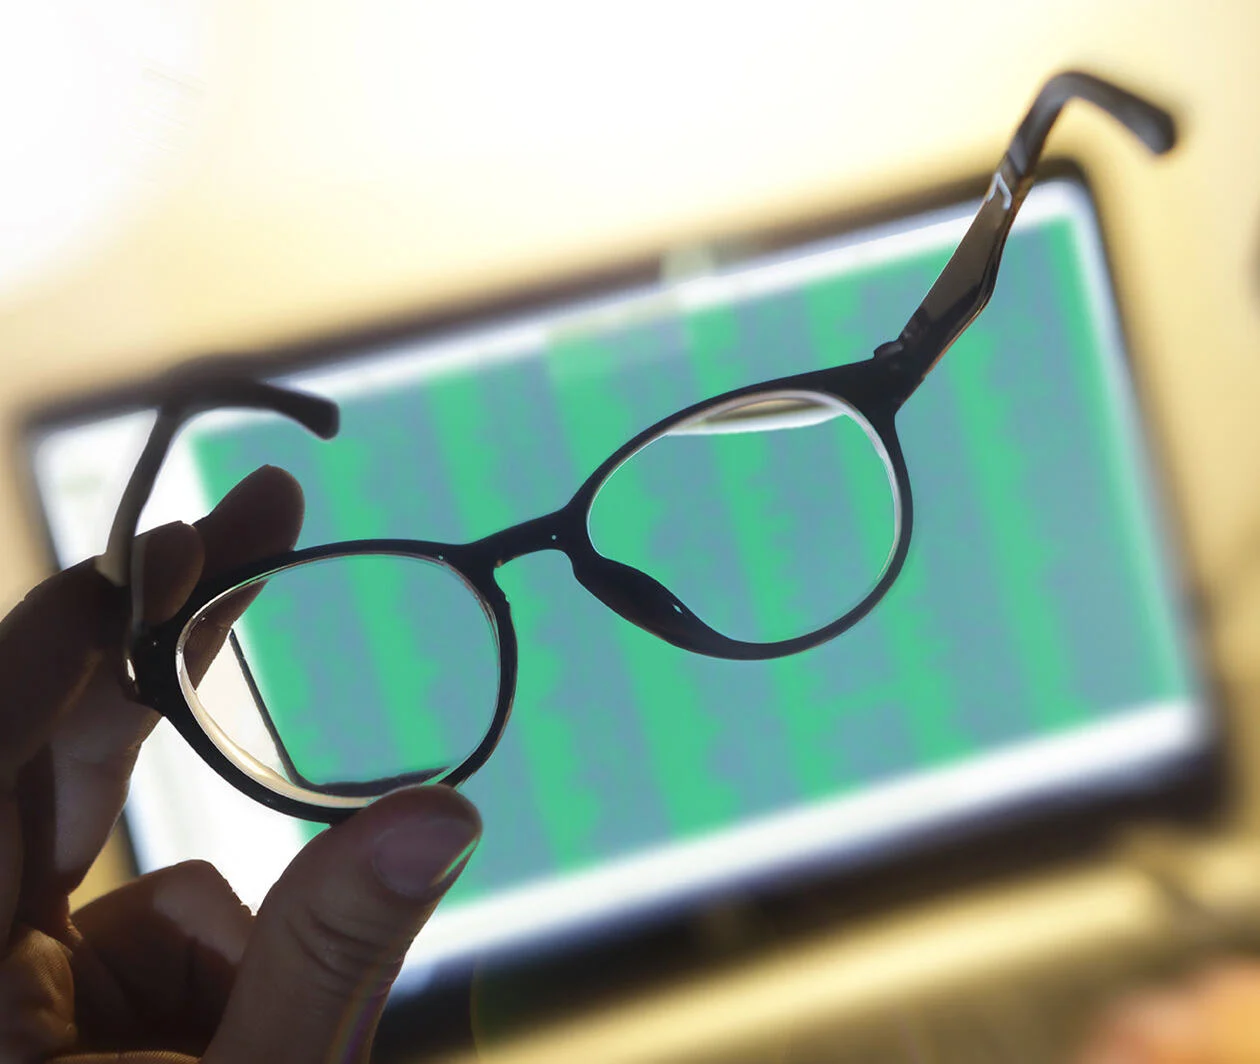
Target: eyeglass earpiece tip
pixel 1163 135
pixel 329 423
pixel 315 413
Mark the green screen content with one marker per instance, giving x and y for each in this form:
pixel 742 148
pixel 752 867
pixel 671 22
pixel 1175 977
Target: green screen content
pixel 1032 603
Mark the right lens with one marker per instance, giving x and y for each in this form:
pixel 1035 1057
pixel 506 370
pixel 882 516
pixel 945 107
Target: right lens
pixel 329 680
pixel 770 516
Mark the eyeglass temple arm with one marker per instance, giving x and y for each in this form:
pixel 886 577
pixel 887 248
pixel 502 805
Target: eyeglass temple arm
pixel 189 391
pixel 965 285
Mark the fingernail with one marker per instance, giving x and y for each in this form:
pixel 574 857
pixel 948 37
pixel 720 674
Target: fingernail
pixel 423 857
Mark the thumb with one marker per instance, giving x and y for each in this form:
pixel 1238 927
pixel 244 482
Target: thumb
pixel 332 933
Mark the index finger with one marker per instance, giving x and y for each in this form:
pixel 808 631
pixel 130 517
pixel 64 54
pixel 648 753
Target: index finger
pixel 235 534
pixel 94 742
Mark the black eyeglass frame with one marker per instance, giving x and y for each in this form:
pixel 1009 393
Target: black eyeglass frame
pixel 874 389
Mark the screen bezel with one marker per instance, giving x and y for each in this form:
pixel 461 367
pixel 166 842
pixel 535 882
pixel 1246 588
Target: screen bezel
pixel 1033 833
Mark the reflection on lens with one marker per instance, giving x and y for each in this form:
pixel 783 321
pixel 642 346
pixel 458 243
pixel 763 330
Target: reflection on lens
pixel 335 680
pixel 770 517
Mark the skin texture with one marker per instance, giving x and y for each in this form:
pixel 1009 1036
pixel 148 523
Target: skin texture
pixel 1212 1017
pixel 172 967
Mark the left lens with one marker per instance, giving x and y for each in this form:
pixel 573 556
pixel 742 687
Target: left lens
pixel 344 677
pixel 770 516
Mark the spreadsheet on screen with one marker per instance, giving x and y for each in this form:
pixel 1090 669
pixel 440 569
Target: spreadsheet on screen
pixel 1031 646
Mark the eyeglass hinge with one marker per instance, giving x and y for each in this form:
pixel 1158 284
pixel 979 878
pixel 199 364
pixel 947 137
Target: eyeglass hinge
pixel 893 355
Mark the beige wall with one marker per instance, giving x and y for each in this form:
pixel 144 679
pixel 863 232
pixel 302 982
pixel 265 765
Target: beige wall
pixel 344 160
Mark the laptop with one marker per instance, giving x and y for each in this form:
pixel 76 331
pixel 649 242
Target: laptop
pixel 1032 678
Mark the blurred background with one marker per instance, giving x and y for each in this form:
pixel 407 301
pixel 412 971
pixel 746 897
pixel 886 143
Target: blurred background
pixel 189 176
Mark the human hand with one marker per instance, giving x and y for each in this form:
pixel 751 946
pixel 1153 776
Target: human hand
pixel 1211 1018
pixel 172 967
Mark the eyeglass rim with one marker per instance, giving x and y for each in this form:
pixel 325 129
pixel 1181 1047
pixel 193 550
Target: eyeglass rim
pixel 157 664
pixel 899 494
pixel 869 388
pixel 334 795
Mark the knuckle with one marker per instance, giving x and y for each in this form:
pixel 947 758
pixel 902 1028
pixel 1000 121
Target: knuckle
pixel 37 1019
pixel 343 956
pixel 201 874
pixel 188 882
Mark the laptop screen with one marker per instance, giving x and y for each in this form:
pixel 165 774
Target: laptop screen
pixel 1032 648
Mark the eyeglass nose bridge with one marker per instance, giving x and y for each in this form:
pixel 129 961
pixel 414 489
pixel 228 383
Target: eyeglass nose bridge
pixel 560 530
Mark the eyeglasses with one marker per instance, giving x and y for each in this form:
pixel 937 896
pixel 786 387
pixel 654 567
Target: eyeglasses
pixel 220 670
